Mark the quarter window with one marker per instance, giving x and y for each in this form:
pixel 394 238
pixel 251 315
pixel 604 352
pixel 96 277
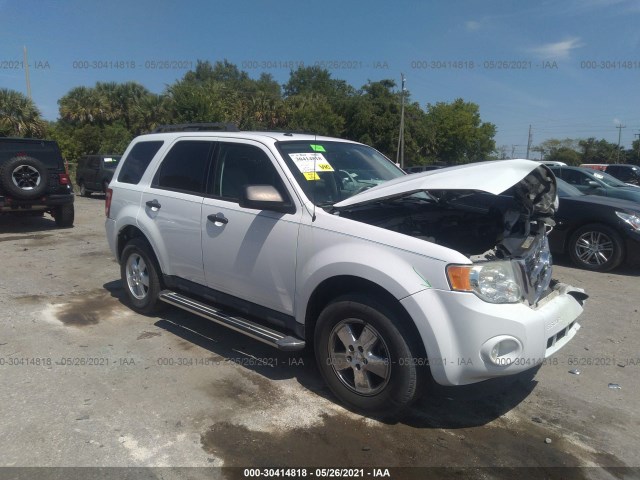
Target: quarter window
pixel 137 161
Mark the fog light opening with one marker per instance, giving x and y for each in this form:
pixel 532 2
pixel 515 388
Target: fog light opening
pixel 501 351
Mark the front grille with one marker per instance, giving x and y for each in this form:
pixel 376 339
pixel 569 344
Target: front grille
pixel 551 341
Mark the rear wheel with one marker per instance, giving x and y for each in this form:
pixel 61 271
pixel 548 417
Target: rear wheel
pixel 64 215
pixel 596 247
pixel 365 356
pixel 141 277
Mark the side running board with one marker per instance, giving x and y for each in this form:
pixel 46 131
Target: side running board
pixel 242 325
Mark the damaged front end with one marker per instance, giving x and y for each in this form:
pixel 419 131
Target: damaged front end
pixel 501 224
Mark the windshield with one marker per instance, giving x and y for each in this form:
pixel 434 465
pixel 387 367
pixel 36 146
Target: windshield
pixel 608 179
pixel 330 172
pixel 566 190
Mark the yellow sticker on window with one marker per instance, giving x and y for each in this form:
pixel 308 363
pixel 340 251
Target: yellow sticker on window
pixel 311 163
pixel 311 176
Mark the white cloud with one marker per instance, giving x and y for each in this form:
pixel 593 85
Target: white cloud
pixel 472 25
pixel 558 50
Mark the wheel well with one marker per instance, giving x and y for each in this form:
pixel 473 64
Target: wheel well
pixel 126 234
pixel 335 287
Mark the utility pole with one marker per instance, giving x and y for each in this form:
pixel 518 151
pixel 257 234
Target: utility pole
pixel 400 153
pixel 619 127
pixel 26 72
pixel 529 142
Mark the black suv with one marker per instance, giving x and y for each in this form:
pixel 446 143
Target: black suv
pixel 34 180
pixel 95 172
pixel 626 173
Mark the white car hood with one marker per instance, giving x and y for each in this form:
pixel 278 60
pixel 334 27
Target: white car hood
pixel 492 177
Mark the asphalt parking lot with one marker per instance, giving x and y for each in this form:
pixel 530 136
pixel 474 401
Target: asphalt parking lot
pixel 86 382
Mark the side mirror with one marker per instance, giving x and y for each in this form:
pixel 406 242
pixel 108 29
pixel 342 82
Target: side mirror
pixel 264 197
pixel 593 184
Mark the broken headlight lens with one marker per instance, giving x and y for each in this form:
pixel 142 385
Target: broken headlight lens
pixel 493 282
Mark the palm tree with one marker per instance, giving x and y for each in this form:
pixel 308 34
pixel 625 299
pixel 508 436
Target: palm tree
pixel 84 105
pixel 19 116
pixel 122 100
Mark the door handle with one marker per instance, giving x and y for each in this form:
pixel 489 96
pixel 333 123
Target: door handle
pixel 154 204
pixel 217 218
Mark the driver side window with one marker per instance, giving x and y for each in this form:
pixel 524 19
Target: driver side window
pixel 239 165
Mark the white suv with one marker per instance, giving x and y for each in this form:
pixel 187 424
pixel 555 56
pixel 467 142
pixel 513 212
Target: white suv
pixel 295 239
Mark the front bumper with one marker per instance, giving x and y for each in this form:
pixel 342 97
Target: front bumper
pixel 459 330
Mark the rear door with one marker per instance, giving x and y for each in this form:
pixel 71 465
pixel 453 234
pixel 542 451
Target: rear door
pixel 173 203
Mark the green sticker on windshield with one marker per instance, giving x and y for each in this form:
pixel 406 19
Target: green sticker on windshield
pixel 317 148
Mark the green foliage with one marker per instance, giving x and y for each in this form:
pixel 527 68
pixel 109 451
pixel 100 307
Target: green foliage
pixel 576 152
pixel 104 118
pixel 597 151
pixel 457 134
pixel 19 116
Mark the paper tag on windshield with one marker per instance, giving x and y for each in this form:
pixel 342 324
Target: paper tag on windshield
pixel 309 163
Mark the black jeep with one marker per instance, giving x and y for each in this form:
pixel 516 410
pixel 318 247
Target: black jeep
pixel 34 180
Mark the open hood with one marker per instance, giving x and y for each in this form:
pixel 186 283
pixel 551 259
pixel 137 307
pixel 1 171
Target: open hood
pixel 535 183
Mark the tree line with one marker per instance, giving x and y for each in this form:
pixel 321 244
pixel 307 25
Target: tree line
pixel 104 118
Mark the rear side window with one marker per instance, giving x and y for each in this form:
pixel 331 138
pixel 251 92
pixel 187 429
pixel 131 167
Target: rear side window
pixel 137 161
pixel 185 167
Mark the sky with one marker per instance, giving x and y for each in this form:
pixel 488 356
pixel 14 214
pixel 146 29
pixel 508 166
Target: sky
pixel 568 68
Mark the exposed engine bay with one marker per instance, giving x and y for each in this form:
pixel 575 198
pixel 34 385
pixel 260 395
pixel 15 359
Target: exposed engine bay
pixel 477 224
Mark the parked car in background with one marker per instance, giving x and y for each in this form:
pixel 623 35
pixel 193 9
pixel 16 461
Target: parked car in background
pixel 626 173
pixel 597 232
pixel 34 180
pixel 94 173
pixel 595 166
pixel 594 182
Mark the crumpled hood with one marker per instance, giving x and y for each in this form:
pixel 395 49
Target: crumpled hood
pixel 535 183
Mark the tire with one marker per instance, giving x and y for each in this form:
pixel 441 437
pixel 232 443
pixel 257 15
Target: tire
pixel 596 247
pixel 64 215
pixel 141 277
pixel 83 190
pixel 385 386
pixel 24 178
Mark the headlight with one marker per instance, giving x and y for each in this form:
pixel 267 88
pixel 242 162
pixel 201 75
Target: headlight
pixel 630 218
pixel 493 282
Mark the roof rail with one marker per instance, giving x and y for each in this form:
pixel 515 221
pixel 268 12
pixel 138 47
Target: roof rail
pixel 197 127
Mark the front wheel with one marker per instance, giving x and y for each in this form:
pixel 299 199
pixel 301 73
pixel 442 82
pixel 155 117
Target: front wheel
pixel 140 277
pixel 366 356
pixel 596 247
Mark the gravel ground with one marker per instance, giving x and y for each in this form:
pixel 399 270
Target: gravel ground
pixel 86 382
